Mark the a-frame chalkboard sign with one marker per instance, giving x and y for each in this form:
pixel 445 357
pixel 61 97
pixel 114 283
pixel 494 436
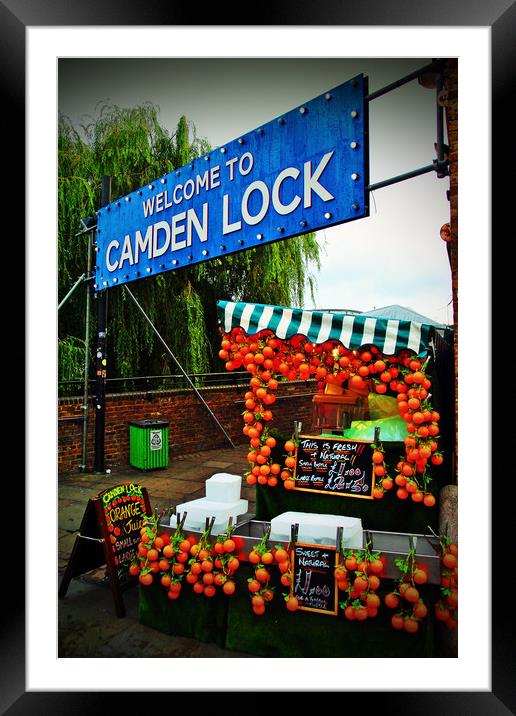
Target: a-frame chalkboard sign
pixel 109 535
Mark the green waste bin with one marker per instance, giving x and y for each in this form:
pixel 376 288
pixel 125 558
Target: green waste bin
pixel 148 444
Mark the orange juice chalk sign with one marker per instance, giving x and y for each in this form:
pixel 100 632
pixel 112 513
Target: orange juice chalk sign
pixel 334 466
pixel 109 534
pixel 124 514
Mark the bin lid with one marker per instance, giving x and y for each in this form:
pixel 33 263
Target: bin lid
pixel 149 423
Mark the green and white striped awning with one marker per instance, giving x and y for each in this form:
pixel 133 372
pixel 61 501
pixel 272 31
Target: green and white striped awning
pixel 353 331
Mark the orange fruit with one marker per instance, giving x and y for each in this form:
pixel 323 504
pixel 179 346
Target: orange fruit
pixel 377 457
pixel 229 587
pixel 429 500
pixel 286 579
pixel 254 557
pixel 229 545
pixel 253 585
pixel 257 600
pixel 391 600
pixel 397 621
pixel 411 594
pixel 411 625
pixel 262 575
pixel 292 603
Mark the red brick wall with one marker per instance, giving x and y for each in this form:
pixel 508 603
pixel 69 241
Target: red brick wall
pixel 70 435
pixel 452 117
pixel 191 427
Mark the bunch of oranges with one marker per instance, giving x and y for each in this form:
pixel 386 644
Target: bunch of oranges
pixel 359 577
pixel 261 557
pixel 287 474
pixel 170 559
pixel 263 470
pixel 382 480
pixel 264 560
pixel 269 359
pixel 212 565
pixel 282 557
pixel 161 557
pixel 226 562
pixel 421 443
pixel 446 607
pixel 406 597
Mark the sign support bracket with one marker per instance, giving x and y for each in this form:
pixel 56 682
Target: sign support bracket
pixel 439 165
pixel 402 177
pixel 434 66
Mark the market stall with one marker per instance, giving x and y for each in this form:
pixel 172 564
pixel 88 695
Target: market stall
pixel 369 468
pixel 374 364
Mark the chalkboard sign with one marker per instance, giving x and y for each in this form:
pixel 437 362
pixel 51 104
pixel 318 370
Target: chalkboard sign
pixel 313 571
pixel 124 512
pixel 109 534
pixel 335 466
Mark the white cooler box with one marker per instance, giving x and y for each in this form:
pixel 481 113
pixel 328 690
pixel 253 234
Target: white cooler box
pixel 223 487
pixel 198 510
pixel 318 529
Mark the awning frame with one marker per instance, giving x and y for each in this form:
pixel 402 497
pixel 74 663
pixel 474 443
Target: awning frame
pixel 390 336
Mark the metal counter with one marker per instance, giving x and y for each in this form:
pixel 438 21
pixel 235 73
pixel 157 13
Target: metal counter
pixel 392 545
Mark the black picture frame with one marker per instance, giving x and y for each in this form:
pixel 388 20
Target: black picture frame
pixel 500 16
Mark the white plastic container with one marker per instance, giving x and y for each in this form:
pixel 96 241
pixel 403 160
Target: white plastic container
pixel 198 510
pixel 223 487
pixel 318 529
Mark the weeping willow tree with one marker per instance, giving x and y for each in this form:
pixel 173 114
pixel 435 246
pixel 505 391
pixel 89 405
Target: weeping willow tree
pixel 131 147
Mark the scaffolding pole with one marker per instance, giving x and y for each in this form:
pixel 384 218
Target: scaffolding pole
pixel 180 367
pixel 65 299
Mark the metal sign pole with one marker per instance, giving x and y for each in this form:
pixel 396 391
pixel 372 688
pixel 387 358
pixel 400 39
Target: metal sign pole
pixel 84 405
pixel 101 365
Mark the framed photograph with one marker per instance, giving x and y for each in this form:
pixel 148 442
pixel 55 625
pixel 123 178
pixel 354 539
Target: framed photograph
pixel 44 46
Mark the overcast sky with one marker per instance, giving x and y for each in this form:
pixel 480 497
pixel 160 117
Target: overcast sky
pixel 394 256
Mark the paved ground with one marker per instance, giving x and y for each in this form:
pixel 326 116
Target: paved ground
pixel 88 626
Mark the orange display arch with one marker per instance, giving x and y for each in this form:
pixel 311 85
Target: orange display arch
pixel 270 359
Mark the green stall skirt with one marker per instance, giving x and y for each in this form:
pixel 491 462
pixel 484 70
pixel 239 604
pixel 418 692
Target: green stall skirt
pixel 191 615
pixel 230 623
pixel 280 633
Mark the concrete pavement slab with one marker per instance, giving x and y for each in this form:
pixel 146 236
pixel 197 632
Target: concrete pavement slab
pixel 70 514
pixel 88 627
pixel 217 463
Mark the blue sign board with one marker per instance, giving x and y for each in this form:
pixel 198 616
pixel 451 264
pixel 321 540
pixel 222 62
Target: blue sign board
pixel 304 171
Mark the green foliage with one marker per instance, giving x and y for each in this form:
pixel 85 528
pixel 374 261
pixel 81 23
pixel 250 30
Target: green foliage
pixel 71 356
pixel 131 147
